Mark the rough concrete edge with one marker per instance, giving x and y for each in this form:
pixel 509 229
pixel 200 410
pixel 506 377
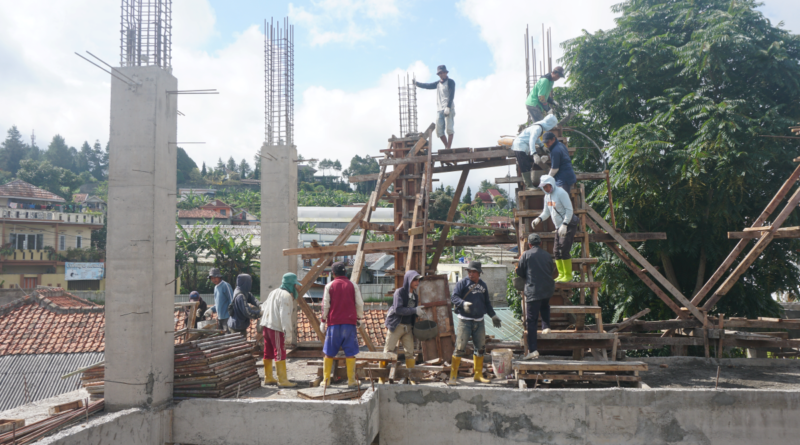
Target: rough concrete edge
pixel 735 362
pixel 104 419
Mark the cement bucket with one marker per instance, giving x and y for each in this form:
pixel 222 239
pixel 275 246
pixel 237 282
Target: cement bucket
pixel 425 330
pixel 501 362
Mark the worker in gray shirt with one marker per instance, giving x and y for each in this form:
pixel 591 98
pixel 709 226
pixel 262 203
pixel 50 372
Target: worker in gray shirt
pixel 445 91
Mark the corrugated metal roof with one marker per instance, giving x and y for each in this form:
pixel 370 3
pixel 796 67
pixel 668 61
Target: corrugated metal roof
pixel 41 373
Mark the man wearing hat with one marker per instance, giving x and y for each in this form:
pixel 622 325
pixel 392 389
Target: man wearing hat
pixel 536 266
pixel 471 302
pixel 202 307
pixel 445 91
pixel 541 97
pixel 342 314
pixel 223 295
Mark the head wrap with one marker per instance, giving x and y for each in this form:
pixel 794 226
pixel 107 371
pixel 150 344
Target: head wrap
pixel 288 283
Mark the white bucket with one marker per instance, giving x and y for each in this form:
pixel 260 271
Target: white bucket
pixel 501 362
pixel 203 324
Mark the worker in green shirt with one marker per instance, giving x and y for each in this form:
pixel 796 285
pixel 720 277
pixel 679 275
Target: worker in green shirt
pixel 542 94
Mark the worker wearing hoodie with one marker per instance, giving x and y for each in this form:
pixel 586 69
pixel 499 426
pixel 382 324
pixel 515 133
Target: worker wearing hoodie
pixel 558 205
pixel 240 309
pixel 276 322
pixel 401 317
pixel 342 314
pixel 471 303
pixel 527 143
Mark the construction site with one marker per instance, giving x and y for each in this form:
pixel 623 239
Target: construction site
pixel 163 382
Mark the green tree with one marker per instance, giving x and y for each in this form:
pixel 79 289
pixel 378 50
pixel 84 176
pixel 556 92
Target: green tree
pixel 231 164
pixel 185 166
pixel 244 169
pixel 13 150
pixel 99 161
pixel 679 92
pixel 83 161
pixel 54 179
pixel 203 171
pixel 58 153
pixel 467 199
pixel 362 166
pixel 440 205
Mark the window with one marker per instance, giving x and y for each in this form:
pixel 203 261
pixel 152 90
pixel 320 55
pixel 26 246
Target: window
pixel 78 240
pixel 222 212
pixel 62 242
pixel 23 241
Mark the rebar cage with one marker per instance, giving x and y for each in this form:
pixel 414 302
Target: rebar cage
pixel 279 83
pixel 146 33
pixel 407 93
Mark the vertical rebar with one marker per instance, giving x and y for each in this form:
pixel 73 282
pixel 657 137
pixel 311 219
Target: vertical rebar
pixel 146 33
pixel 407 97
pixel 279 82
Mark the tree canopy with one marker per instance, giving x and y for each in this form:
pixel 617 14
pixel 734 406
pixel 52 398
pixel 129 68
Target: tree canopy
pixel 680 93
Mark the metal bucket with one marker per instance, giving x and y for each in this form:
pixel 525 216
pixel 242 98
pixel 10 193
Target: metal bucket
pixel 425 330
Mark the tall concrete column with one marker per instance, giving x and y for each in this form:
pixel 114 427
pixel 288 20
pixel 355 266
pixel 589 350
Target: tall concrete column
pixel 140 254
pixel 278 217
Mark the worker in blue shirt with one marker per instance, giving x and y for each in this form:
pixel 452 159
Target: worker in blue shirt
pixel 223 295
pixel 560 164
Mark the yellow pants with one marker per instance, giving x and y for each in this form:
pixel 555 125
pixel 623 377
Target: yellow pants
pixel 403 333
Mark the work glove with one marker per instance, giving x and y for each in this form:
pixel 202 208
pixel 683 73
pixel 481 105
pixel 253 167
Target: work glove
pixel 496 322
pixel 323 327
pixel 198 313
pixel 447 111
pixel 535 222
pixel 467 306
pixel 551 101
pixel 562 231
pixel 545 159
pixel 420 311
pixel 208 313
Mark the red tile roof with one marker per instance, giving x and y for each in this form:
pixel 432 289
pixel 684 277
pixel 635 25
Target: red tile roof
pixel 485 197
pixel 21 189
pixel 373 317
pixel 200 214
pixel 80 197
pixel 494 192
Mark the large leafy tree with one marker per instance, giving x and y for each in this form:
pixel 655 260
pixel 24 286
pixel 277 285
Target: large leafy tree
pixel 59 154
pixel 185 166
pixel 13 150
pixel 362 166
pixel 54 179
pixel 680 92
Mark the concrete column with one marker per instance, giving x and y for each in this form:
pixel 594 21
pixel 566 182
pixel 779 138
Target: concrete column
pixel 141 240
pixel 278 217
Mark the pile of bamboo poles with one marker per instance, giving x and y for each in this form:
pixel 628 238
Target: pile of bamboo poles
pixel 220 366
pixel 93 380
pixel 37 430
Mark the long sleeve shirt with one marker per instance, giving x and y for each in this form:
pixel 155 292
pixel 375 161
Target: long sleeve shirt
pixel 223 295
pixel 276 311
pixel 529 137
pixel 556 204
pixel 475 293
pixel 536 266
pixel 242 312
pixel 445 92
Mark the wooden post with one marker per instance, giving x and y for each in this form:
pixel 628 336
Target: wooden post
pixel 646 264
pixel 721 335
pixel 427 193
pixel 410 255
pixel 705 333
pixel 450 216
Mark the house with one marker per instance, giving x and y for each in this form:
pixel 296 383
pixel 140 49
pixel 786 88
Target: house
pixel 244 218
pixel 89 202
pixel 502 222
pixel 215 212
pixel 43 235
pixel 488 198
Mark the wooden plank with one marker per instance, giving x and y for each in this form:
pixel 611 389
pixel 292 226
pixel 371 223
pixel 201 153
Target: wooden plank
pixel 657 342
pixel 410 254
pixel 599 237
pixel 481 240
pixel 629 321
pixel 535 213
pixel 575 336
pixel 578 285
pixel 575 365
pixel 454 157
pixel 427 191
pixel 584 377
pixel 590 176
pixel 539 192
pixel 474 226
pixel 737 250
pixel 575 309
pixel 509 180
pixel 783 233
pixel 419 230
pixel 358 263
pixel 349 249
pixel 753 255
pixel 475 165
pixel 646 264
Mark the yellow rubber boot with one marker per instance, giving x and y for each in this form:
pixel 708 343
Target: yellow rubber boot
pixel 351 372
pixel 454 371
pixel 410 363
pixel 560 268
pixel 327 366
pixel 566 266
pixel 283 381
pixel 381 381
pixel 268 378
pixel 479 370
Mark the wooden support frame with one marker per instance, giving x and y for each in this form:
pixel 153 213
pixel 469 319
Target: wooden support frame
pixel 646 264
pixel 451 213
pixel 628 322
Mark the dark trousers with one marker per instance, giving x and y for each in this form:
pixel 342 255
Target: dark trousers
pixel 222 324
pixel 565 186
pixel 532 311
pixel 524 161
pixel 536 113
pixel 564 244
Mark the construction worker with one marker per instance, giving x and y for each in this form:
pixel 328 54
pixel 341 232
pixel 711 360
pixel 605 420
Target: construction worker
pixel 244 306
pixel 223 295
pixel 536 266
pixel 558 205
pixel 524 145
pixel 445 91
pixel 202 307
pixel 342 315
pixel 276 323
pixel 471 302
pixel 560 163
pixel 541 95
pixel 401 317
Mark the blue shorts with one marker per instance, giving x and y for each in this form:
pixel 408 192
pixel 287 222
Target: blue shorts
pixel 344 336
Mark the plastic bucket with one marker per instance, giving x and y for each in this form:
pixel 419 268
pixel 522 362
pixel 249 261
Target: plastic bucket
pixel 203 324
pixel 425 330
pixel 501 362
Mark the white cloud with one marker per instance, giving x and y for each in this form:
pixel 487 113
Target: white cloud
pixel 348 21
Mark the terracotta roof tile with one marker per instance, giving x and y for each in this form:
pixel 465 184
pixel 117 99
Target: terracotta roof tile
pixel 80 197
pixel 200 213
pixel 21 189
